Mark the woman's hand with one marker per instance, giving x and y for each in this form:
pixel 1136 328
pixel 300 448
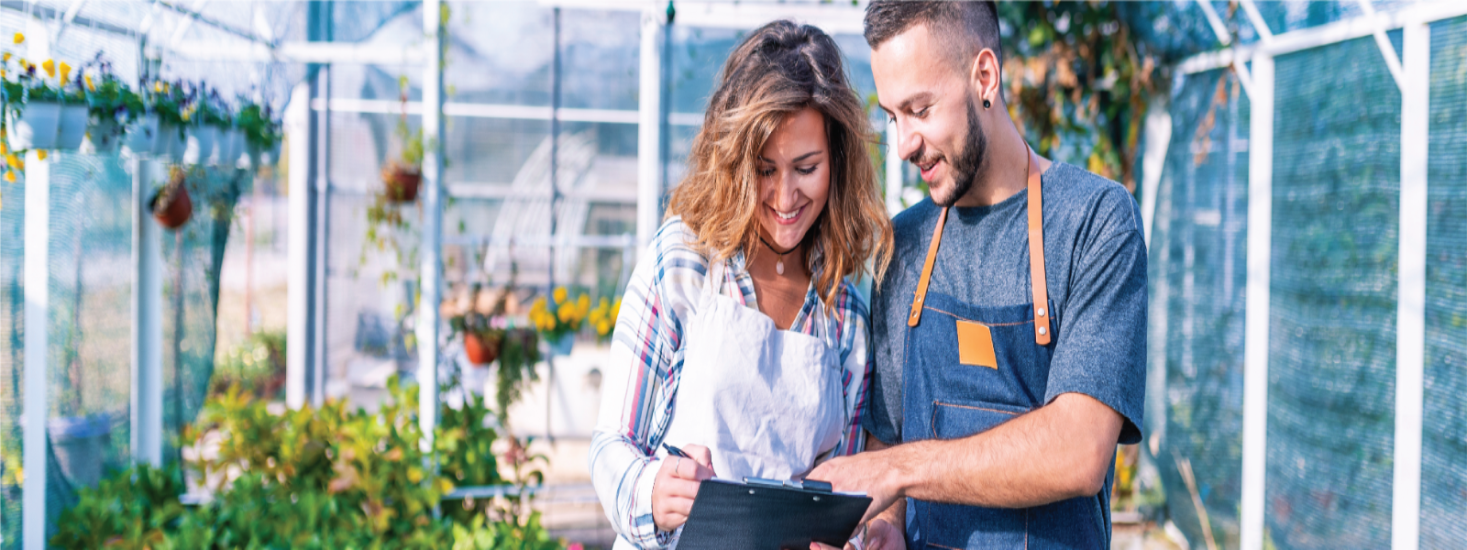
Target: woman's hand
pixel 879 535
pixel 677 484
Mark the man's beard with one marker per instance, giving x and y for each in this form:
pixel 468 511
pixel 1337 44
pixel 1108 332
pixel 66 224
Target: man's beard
pixel 967 163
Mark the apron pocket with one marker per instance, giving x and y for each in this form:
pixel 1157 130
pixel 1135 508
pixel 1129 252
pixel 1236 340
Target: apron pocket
pixel 954 420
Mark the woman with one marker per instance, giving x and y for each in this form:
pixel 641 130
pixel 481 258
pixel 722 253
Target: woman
pixel 740 339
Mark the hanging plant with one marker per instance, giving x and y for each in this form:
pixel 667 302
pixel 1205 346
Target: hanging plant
pixel 112 106
pixel 171 205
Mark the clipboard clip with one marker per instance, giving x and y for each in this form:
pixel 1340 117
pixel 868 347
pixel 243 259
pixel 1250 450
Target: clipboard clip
pixel 811 485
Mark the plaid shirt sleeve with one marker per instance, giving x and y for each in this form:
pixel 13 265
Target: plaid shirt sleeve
pixel 853 332
pixel 636 404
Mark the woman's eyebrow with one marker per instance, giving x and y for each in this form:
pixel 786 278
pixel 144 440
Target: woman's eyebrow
pixel 796 159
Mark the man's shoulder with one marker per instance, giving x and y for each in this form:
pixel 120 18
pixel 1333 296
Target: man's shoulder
pixel 913 220
pixel 1088 198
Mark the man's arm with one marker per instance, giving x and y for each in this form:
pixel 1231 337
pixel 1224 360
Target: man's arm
pixel 1059 451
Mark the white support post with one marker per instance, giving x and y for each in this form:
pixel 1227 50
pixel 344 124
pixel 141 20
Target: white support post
pixel 893 170
pixel 1256 18
pixel 430 272
pixel 1387 50
pixel 649 129
pixel 147 323
pixel 1153 159
pixel 1218 29
pixel 37 325
pixel 1411 303
pixel 1256 317
pixel 37 344
pixel 299 291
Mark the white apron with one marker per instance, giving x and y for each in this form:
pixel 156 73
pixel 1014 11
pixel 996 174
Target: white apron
pixel 766 402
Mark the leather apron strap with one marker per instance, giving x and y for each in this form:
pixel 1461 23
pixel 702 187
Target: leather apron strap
pixel 1036 257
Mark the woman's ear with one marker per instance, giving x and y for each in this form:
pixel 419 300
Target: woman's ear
pixel 985 77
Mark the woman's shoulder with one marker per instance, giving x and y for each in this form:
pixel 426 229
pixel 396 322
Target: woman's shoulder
pixel 671 247
pixel 850 305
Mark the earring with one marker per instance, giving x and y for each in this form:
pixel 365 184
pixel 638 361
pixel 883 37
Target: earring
pixel 987 104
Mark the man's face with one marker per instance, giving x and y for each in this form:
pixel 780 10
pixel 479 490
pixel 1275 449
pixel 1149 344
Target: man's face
pixel 932 103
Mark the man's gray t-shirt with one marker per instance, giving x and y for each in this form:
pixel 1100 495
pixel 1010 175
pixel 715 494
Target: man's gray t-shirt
pixel 1095 266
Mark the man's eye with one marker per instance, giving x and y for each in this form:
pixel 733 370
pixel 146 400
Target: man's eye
pixel 922 113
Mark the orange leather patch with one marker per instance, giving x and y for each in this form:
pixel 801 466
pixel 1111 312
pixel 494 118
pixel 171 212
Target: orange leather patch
pixel 975 345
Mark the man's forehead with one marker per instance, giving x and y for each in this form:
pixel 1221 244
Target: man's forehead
pixel 907 65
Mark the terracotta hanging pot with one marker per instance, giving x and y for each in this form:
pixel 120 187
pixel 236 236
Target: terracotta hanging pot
pixel 482 348
pixel 401 182
pixel 171 205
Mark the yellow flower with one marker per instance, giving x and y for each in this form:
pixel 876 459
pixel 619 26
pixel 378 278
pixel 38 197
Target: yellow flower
pixel 65 73
pixel 12 160
pixel 584 302
pixel 560 295
pixel 10 177
pixel 19 38
pixel 3 150
pixel 5 56
pixel 41 154
pixel 158 87
pixel 49 66
pixel 90 86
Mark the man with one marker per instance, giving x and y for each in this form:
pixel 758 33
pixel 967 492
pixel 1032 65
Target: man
pixel 1010 329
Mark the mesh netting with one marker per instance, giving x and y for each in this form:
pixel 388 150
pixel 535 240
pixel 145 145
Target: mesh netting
pixel 90 318
pixel 1332 341
pixel 1443 472
pixel 1197 282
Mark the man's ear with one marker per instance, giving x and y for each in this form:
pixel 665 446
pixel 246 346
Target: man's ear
pixel 985 77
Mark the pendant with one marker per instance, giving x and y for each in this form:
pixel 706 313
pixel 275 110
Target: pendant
pixel 779 266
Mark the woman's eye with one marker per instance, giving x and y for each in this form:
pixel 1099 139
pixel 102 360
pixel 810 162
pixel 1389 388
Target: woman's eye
pixel 806 170
pixel 766 172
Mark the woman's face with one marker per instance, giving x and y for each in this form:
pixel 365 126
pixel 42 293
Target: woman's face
pixel 794 178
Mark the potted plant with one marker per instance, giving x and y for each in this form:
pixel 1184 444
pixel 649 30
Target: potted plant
pixel 603 317
pixel 402 177
pixel 260 131
pixel 72 122
pixel 559 321
pixel 32 107
pixel 113 107
pixel 171 204
pixel 172 107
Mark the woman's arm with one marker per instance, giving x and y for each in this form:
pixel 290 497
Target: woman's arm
pixel 636 396
pixel 857 361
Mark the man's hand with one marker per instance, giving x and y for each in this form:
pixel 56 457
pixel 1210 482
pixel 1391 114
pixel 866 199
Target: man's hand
pixel 878 474
pixel 677 484
pixel 879 535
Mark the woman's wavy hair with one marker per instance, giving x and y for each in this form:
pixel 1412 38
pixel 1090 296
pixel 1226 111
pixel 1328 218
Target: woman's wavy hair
pixel 777 71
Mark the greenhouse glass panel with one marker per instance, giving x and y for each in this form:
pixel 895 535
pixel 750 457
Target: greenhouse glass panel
pixel 1443 471
pixel 1332 341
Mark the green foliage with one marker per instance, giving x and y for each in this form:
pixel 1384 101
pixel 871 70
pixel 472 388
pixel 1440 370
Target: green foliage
pixel 316 479
pixel 109 98
pixel 260 128
pixel 1076 72
pixel 257 366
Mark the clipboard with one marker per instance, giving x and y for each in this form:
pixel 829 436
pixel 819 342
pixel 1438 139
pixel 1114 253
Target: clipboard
pixel 770 515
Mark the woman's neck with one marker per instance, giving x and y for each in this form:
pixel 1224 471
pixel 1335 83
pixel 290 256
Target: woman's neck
pixel 780 295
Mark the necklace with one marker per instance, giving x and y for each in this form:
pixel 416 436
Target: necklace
pixel 778 265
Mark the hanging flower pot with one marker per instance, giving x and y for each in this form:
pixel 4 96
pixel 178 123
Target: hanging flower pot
pixel 170 143
pixel 104 136
pixel 401 181
pixel 561 345
pixel 142 135
pixel 200 146
pixel 230 141
pixel 34 127
pixel 171 205
pixel 482 348
pixel 72 126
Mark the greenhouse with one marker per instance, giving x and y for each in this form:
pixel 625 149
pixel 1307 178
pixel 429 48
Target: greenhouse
pixel 337 273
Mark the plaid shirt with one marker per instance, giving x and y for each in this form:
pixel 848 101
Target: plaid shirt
pixel 647 360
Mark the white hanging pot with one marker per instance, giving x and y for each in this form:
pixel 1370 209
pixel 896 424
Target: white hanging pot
pixel 104 136
pixel 142 135
pixel 72 127
pixel 35 127
pixel 170 143
pixel 225 146
pixel 201 141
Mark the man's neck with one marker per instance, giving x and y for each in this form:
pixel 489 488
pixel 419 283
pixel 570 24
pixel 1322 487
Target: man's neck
pixel 1005 170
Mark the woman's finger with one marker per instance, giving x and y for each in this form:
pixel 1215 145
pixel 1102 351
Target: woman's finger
pixel 702 456
pixel 675 487
pixel 690 469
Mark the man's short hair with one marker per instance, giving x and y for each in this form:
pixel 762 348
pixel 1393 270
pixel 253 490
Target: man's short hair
pixel 964 27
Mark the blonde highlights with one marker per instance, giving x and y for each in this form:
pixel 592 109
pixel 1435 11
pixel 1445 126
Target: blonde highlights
pixel 777 71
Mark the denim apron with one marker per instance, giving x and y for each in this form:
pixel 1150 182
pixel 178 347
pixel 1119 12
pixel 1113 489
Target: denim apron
pixel 943 398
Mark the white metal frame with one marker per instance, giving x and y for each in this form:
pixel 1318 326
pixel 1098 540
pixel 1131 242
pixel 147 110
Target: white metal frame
pixel 146 399
pixel 37 325
pixel 1412 75
pixel 430 268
